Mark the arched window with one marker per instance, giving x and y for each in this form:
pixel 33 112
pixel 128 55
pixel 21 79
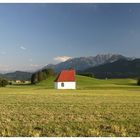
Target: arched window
pixel 62 84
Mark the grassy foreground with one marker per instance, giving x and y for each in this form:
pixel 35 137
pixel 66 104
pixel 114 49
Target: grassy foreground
pixel 38 111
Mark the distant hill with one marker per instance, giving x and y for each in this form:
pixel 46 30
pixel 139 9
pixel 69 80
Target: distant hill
pixel 122 68
pixel 18 75
pixel 83 63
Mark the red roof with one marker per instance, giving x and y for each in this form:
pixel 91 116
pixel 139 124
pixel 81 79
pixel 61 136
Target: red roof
pixel 66 76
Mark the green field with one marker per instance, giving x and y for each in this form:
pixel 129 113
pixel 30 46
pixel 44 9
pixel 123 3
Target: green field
pixel 96 108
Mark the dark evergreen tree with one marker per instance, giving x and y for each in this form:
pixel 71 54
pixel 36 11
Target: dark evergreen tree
pixel 3 82
pixel 50 72
pixel 40 76
pixel 138 83
pixel 34 78
pixel 44 75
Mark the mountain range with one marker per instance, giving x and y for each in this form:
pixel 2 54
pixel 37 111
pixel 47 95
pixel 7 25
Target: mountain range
pixel 119 69
pixel 83 63
pixel 17 75
pixel 102 65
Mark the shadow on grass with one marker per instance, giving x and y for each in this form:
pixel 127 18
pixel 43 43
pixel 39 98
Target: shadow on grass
pixel 22 84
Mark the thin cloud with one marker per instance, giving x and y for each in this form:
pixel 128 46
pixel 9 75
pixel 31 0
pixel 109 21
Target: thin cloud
pixel 5 68
pixel 62 58
pixel 34 65
pixel 22 47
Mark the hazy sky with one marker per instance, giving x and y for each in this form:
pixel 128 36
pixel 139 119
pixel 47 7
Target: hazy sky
pixel 33 35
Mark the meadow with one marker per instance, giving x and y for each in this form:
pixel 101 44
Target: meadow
pixel 96 108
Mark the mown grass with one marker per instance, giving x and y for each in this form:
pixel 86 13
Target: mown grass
pixel 38 111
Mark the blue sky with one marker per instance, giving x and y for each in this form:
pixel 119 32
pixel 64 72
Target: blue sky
pixel 33 35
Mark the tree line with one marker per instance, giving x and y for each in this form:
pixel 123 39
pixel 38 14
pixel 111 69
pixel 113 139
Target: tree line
pixel 87 74
pixel 138 83
pixel 41 75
